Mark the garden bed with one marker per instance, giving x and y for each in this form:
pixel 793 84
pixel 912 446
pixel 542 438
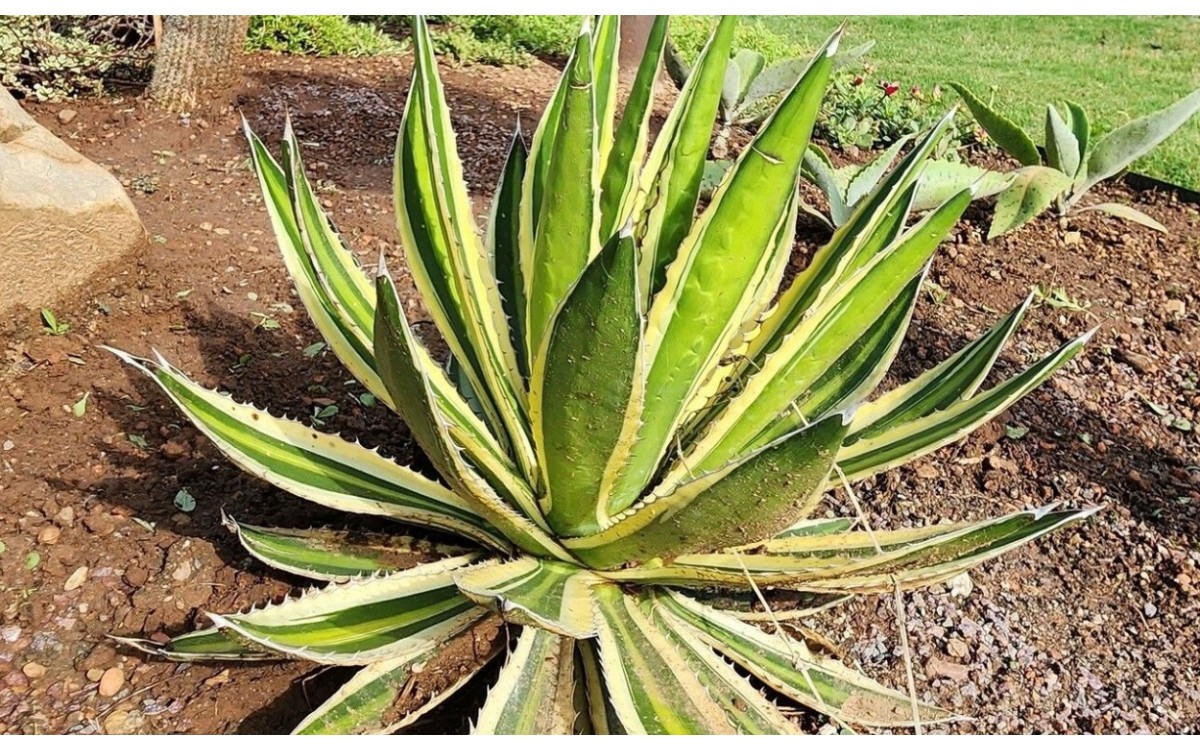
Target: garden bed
pixel 1091 630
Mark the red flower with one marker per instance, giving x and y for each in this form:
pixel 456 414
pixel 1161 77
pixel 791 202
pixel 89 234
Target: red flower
pixel 858 80
pixel 889 88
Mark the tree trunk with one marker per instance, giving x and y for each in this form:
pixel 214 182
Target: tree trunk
pixel 197 67
pixel 635 33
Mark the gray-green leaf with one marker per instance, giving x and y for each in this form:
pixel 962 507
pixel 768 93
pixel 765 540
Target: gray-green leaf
pixel 1031 193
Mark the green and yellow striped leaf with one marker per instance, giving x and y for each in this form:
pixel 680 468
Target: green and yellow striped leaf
pixel 746 710
pixel 409 385
pixel 568 225
pixel 601 716
pixel 330 555
pixel 669 185
pixel 606 40
pixel 914 438
pixel 789 667
pixel 586 392
pixel 874 225
pixel 540 593
pixel 323 469
pixel 360 705
pixel 351 344
pixel 368 702
pixel 347 286
pixel 623 167
pixel 446 257
pixel 203 645
pixel 504 246
pixel 850 563
pixel 365 620
pixel 714 282
pixel 769 403
pixel 652 687
pixel 956 378
pixel 330 306
pixel 536 690
pixel 751 499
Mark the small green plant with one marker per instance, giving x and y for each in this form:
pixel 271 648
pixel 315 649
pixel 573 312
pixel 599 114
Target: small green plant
pixel 845 187
pixel 1074 162
pixel 322 36
pixel 52 324
pixel 51 58
pixel 639 423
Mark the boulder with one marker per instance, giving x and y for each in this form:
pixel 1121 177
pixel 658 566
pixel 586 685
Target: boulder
pixel 62 217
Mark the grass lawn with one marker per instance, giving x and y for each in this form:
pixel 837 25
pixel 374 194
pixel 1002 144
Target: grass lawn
pixel 1116 67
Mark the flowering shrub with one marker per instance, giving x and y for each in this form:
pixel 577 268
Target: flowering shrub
pixel 858 114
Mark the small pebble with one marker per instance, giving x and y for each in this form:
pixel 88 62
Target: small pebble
pixel 94 674
pixel 49 535
pixel 33 670
pixel 76 579
pixel 111 682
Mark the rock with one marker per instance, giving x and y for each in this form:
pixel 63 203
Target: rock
pixel 76 579
pixel 957 649
pixel 1139 362
pixel 936 667
pixel 124 722
pixel 66 516
pixel 999 463
pixel 927 471
pixel 101 657
pixel 1072 238
pixel 94 674
pixel 100 523
pixel 33 670
pixel 62 217
pixel 220 678
pixel 136 577
pixel 182 572
pixel 1176 307
pixel 111 682
pixel 67 116
pixel 49 535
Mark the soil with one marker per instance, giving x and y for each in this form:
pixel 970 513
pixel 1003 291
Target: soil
pixel 1090 630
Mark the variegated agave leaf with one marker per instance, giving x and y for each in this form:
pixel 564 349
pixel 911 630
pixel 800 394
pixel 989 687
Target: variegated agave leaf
pixel 635 426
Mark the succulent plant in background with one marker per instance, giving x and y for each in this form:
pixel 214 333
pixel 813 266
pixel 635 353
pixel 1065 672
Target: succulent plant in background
pixel 843 187
pixel 1074 162
pixel 751 86
pixel 655 426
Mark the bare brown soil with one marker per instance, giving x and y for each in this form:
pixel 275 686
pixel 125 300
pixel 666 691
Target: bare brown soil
pixel 1091 630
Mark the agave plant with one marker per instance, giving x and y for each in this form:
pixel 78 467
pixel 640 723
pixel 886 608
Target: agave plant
pixel 637 437
pixel 1075 162
pixel 843 187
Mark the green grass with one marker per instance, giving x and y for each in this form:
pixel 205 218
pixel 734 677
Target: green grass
pixel 1118 68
